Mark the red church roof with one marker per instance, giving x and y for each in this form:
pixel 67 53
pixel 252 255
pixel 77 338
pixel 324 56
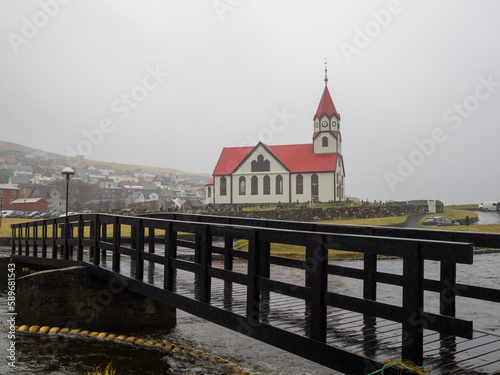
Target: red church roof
pixel 296 158
pixel 326 105
pixel 230 158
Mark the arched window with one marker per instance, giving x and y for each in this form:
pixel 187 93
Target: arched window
pixel 324 141
pixel 279 184
pixel 223 186
pixel 254 185
pixel 209 192
pixel 314 186
pixel 267 185
pixel 299 184
pixel 243 185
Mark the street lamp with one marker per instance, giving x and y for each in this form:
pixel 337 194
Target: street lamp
pixel 67 172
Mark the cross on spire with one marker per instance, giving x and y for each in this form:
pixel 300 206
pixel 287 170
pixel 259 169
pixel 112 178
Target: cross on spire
pixel 326 70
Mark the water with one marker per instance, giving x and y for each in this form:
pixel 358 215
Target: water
pixel 37 354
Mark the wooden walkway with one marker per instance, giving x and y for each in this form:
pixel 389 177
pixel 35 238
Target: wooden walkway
pixel 249 291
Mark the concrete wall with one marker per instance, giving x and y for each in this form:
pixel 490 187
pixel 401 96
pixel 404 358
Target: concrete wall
pixel 73 298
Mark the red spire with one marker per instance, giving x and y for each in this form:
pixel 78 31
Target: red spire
pixel 326 105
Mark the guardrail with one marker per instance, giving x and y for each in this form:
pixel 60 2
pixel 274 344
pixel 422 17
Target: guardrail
pixel 93 236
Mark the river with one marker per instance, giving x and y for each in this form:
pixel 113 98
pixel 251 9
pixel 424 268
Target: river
pixel 39 354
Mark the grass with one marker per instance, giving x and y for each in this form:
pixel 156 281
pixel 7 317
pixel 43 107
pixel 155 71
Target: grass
pixel 6 231
pixel 107 371
pixel 377 221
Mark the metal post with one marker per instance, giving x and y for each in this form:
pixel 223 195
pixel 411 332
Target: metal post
pixel 66 223
pixel 67 173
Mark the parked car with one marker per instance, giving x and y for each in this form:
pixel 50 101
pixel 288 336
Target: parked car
pixel 489 206
pixel 5 213
pixel 32 214
pixel 49 215
pixel 439 221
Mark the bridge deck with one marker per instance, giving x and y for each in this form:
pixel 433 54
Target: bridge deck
pixel 372 337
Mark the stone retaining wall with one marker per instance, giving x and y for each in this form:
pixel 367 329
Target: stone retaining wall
pixel 330 213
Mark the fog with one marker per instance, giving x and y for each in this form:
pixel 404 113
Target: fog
pixel 170 83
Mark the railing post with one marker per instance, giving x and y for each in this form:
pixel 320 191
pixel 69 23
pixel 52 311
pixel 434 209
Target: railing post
pixel 369 292
pixel 316 267
pixel 26 240
pixel 96 239
pixel 206 263
pixel 54 239
pixel 81 234
pixel 253 292
pixel 151 249
pixel 13 244
pixel 228 266
pixel 117 234
pixel 447 296
pixel 44 239
pixel 413 302
pixel 19 240
pixel 104 237
pixel 169 272
pixel 35 239
pixel 139 250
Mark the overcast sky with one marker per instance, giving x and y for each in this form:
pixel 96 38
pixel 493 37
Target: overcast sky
pixel 170 83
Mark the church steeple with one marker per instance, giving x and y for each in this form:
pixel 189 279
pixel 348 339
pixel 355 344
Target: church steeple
pixel 326 118
pixel 326 136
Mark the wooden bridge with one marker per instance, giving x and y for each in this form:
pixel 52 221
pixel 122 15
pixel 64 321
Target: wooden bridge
pixel 172 259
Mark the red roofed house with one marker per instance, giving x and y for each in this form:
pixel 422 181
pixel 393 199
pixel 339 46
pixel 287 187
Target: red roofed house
pixel 285 173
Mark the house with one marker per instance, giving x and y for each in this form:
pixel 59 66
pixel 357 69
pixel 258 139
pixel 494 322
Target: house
pixel 19 170
pixel 40 155
pixel 163 181
pixel 103 169
pixel 8 194
pixel 21 180
pixel 55 196
pixel 5 175
pixel 284 173
pixel 30 204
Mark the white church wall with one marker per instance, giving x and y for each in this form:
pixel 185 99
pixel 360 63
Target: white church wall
pixel 318 144
pixel 260 197
pixel 222 199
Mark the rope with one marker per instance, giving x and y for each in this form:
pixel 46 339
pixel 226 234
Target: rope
pixel 225 365
pixel 412 368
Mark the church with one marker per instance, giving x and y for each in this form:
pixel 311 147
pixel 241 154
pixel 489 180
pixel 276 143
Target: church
pixel 299 173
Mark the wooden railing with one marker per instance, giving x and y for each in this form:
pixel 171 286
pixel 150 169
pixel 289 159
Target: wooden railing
pixel 93 237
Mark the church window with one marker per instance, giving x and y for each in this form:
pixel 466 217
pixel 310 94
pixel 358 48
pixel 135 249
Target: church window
pixel 324 140
pixel 261 165
pixel 243 185
pixel 267 185
pixel 209 191
pixel 254 185
pixel 279 184
pixel 314 185
pixel 299 184
pixel 223 186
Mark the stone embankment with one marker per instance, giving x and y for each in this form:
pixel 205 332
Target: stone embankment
pixel 330 213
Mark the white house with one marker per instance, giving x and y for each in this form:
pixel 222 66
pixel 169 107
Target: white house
pixel 285 173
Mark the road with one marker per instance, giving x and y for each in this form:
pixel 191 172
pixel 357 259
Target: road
pixel 483 218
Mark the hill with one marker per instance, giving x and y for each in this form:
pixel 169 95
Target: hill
pixel 62 159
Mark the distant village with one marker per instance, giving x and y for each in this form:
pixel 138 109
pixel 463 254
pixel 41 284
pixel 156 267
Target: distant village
pixel 32 181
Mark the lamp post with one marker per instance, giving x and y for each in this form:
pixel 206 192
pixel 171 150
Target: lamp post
pixel 1 209
pixel 67 172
